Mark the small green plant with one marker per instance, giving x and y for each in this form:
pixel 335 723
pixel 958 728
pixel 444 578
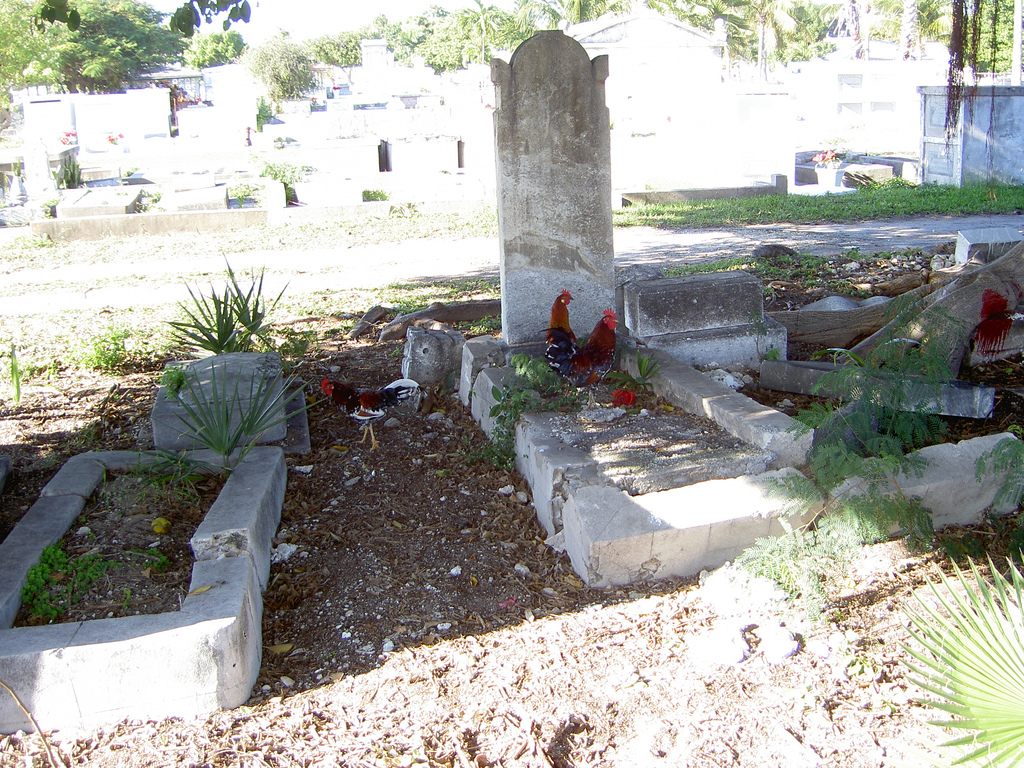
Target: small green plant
pixel 646 369
pixel 153 559
pixel 403 210
pixel 374 195
pixel 231 420
pixel 69 175
pixel 1005 458
pixel 148 201
pixel 536 388
pixel 264 113
pixel 107 352
pixel 172 380
pixel 232 320
pixel 57 582
pixel 969 656
pixel 289 175
pixel 14 369
pixel 243 192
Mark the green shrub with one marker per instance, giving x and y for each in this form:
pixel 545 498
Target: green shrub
pixel 289 175
pixel 107 352
pixel 69 175
pixel 264 113
pixel 374 195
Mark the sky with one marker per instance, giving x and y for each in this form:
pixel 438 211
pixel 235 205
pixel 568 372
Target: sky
pixel 303 19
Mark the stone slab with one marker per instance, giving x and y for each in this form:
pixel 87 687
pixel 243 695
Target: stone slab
pixel 99 201
pixel 692 303
pixel 985 244
pixel 233 374
pixel 1012 345
pixel 614 539
pixel 747 419
pixel 202 199
pixel 953 398
pixel 243 519
pixel 296 439
pixel 949 488
pixel 874 171
pixel 477 354
pixel 156 223
pixel 78 477
pixel 740 345
pixel 44 524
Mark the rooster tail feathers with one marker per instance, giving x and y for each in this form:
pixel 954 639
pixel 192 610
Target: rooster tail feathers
pixel 400 390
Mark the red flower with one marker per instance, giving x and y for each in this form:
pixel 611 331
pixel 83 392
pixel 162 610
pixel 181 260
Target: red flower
pixel 623 398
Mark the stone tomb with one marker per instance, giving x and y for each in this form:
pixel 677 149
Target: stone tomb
pixel 704 319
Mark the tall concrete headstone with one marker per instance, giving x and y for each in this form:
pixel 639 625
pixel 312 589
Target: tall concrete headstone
pixel 553 158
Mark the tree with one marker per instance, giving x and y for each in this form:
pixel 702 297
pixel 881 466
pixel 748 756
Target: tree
pixel 282 66
pixel 807 39
pixel 339 50
pixel 770 17
pixel 482 24
pixel 116 41
pixel 549 14
pixel 447 47
pixel 214 49
pixel 26 51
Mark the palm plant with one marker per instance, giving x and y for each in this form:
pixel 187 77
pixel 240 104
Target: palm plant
pixel 232 320
pixel 971 659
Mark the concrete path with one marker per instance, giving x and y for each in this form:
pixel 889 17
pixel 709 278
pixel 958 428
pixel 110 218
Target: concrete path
pixel 312 267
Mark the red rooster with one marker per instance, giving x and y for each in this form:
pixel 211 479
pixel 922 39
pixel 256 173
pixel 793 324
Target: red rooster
pixel 589 364
pixel 367 405
pixel 586 364
pixel 561 341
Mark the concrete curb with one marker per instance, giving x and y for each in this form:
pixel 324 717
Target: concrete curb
pixel 183 663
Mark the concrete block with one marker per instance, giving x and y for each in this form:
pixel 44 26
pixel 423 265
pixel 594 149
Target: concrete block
pixel 433 357
pixel 237 375
pixel 245 515
pixel 747 419
pixel 477 354
pixel 208 198
pixel 484 398
pixel 948 487
pixel 99 201
pixel 693 303
pixel 613 538
pixel 44 523
pixel 122 461
pixel 79 676
pixel 874 171
pixel 742 345
pixel 78 477
pixel 984 245
pixel 952 398
pixel 296 440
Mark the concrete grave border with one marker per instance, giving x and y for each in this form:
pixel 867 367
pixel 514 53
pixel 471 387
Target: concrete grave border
pixel 613 538
pixel 184 663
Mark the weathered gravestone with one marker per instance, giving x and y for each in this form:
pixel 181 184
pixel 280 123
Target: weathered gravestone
pixel 553 150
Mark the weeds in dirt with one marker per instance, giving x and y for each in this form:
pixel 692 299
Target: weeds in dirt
pixel 57 582
pixel 107 352
pixel 647 368
pixel 858 449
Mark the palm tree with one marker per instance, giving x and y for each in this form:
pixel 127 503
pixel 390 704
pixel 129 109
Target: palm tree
pixel 769 17
pixel 550 14
pixel 910 36
pixel 482 23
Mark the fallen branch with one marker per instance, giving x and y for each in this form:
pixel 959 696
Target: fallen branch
pixel 456 312
pixel 839 328
pixel 54 763
pixel 373 315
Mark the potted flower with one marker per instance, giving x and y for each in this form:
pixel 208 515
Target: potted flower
pixel 826 164
pixel 68 138
pixel 114 138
